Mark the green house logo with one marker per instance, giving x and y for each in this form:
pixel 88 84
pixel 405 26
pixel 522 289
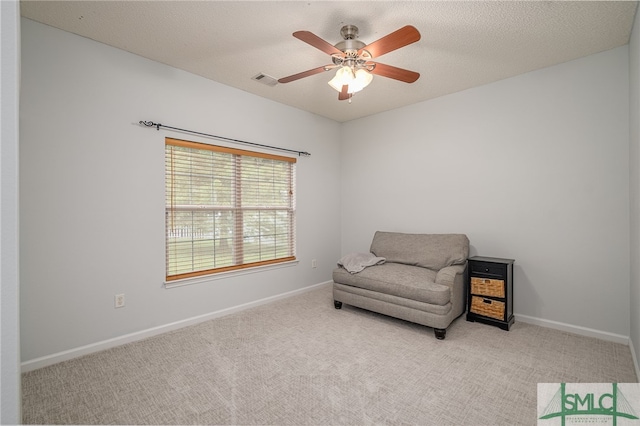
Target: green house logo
pixel 589 403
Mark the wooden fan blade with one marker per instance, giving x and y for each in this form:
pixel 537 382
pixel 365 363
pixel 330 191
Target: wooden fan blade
pixel 397 39
pixel 344 95
pixel 394 72
pixel 317 42
pixel 303 74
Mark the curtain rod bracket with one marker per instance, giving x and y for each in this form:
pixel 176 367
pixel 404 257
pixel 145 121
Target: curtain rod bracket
pixel 158 125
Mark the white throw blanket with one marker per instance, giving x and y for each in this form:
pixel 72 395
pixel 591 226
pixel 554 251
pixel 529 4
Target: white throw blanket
pixel 356 262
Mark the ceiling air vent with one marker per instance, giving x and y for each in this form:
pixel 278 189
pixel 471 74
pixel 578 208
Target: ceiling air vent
pixel 265 79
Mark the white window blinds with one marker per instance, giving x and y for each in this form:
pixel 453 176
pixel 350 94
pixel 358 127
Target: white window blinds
pixel 226 209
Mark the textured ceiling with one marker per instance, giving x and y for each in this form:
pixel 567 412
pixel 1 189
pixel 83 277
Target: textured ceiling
pixel 463 44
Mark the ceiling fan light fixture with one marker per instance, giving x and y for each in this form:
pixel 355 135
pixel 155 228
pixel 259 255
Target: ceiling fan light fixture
pixel 362 80
pixel 355 81
pixel 343 76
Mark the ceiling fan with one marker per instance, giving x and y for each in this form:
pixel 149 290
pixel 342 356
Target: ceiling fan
pixel 353 59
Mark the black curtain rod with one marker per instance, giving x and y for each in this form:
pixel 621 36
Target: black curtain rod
pixel 158 125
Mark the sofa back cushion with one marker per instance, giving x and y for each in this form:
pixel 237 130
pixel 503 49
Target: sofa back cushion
pixel 433 251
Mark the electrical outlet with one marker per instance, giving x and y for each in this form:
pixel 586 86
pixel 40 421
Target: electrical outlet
pixel 119 301
pixel 314 264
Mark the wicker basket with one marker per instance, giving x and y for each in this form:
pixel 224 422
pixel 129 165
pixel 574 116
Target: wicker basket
pixel 487 307
pixel 487 287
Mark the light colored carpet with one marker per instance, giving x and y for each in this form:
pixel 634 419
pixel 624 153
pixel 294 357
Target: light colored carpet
pixel 300 361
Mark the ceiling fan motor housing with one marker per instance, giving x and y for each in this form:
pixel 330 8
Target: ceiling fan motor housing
pixel 350 46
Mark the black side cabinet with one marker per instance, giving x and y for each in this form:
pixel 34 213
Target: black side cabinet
pixel 490 291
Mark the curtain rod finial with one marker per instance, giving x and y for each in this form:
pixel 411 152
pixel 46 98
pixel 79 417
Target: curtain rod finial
pixel 150 124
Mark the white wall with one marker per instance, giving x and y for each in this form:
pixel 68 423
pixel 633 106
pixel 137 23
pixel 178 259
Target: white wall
pixel 10 407
pixel 533 168
pixel 634 162
pixel 92 190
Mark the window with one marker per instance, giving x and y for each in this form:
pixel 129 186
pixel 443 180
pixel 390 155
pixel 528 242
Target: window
pixel 226 209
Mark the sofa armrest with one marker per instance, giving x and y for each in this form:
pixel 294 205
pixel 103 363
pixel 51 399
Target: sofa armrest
pixel 447 275
pixel 453 277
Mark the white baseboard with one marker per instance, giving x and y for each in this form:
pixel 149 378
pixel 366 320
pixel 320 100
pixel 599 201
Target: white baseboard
pixel 635 359
pixel 583 331
pixel 44 361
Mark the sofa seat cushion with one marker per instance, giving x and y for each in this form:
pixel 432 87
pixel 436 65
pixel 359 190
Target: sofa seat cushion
pixel 343 292
pixel 397 279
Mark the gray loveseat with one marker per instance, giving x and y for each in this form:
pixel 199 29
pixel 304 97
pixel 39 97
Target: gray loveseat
pixel 414 277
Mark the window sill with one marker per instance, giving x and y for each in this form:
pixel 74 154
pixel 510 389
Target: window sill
pixel 222 275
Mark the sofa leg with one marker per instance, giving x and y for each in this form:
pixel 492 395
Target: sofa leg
pixel 440 333
pixel 338 305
